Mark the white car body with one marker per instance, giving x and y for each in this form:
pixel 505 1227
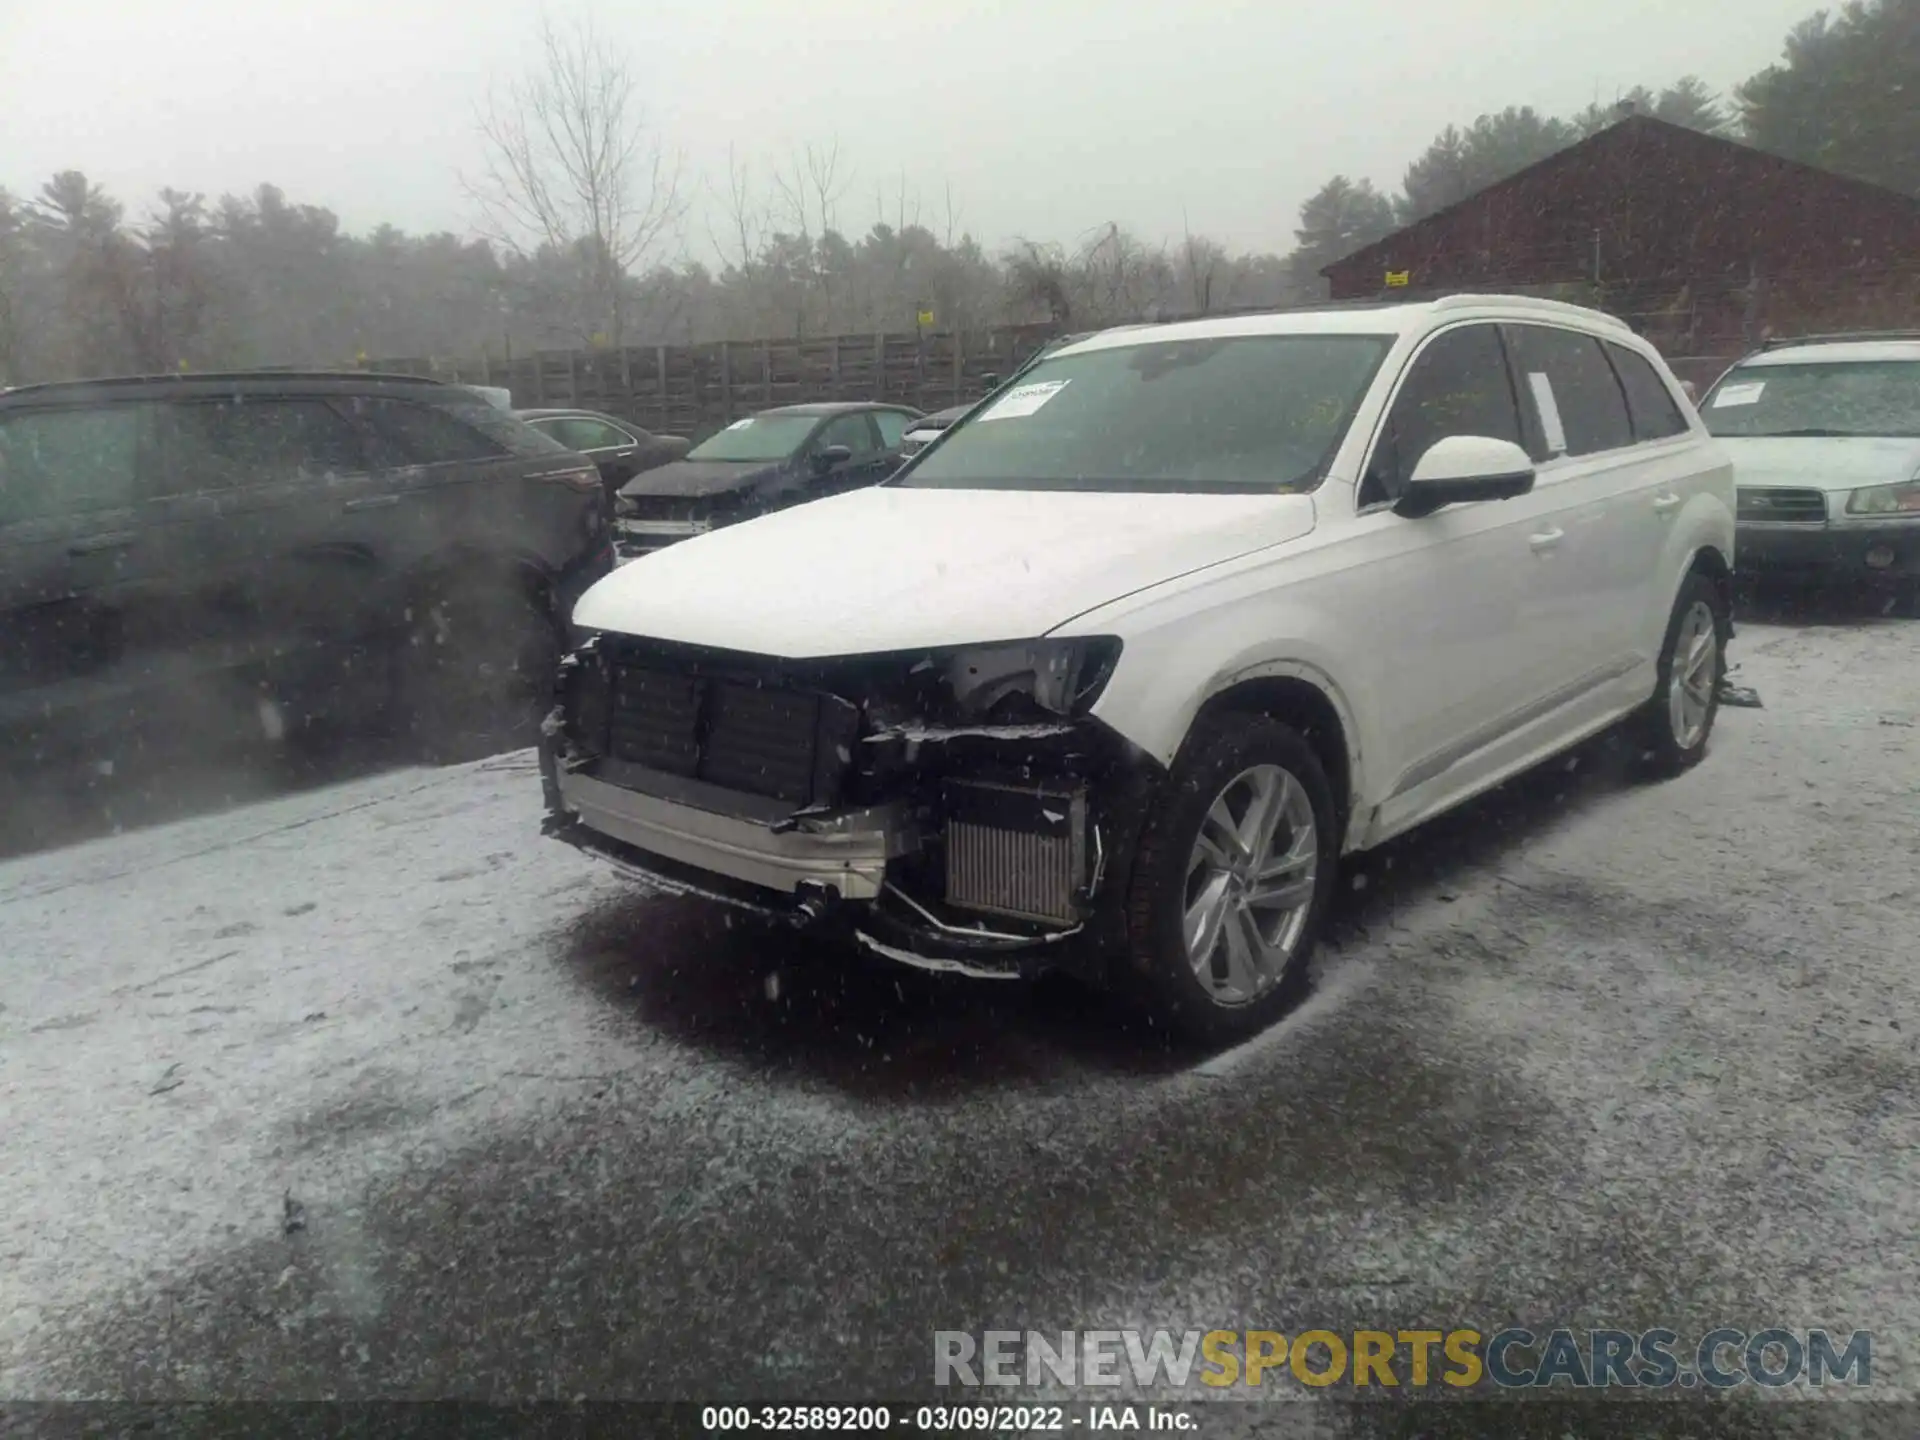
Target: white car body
pixel 1802 498
pixel 1456 649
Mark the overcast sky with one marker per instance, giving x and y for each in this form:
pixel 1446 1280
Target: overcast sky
pixel 1044 117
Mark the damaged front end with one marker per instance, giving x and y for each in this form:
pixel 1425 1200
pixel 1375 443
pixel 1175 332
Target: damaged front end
pixel 951 810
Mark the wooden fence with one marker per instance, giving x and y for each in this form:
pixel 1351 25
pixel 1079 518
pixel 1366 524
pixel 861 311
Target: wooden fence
pixel 1701 325
pixel 693 390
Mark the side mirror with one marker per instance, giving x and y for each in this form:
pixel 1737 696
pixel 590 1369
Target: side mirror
pixel 1464 468
pixel 831 458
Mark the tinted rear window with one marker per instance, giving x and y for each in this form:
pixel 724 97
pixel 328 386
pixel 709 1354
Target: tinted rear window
pixel 1570 391
pixel 1655 413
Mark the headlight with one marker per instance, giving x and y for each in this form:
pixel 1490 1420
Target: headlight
pixel 1886 499
pixel 1061 676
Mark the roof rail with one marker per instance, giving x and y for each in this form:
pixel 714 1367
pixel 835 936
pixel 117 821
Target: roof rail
pixel 1461 300
pixel 263 373
pixel 1843 337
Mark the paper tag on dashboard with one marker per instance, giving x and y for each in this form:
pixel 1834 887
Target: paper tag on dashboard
pixel 1024 399
pixel 1549 408
pixel 1743 394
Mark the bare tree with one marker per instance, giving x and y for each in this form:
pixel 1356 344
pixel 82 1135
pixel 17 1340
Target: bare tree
pixel 1204 263
pixel 571 168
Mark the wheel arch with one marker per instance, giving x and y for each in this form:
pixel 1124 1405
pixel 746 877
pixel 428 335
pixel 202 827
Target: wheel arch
pixel 1710 562
pixel 459 565
pixel 1302 697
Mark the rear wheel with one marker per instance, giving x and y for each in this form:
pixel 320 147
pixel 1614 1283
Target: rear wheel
pixel 1235 872
pixel 476 668
pixel 1673 727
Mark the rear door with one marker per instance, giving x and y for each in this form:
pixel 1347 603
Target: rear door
pixel 76 563
pixel 1590 562
pixel 1675 469
pixel 893 426
pixel 614 452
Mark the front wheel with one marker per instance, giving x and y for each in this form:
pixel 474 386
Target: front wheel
pixel 1673 727
pixel 1235 872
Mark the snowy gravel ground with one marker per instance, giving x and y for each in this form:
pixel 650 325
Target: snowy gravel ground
pixel 370 1092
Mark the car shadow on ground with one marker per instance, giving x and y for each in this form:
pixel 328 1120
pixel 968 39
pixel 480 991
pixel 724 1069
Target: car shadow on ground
pixel 791 1006
pixel 1802 605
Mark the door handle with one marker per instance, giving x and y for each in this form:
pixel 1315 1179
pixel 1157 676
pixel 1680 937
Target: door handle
pixel 94 544
pixel 372 502
pixel 1665 503
pixel 1547 539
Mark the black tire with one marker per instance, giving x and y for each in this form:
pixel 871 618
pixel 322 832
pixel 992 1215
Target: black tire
pixel 1163 978
pixel 1665 751
pixel 475 669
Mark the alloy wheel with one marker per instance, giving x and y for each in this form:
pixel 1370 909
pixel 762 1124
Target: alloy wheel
pixel 1250 884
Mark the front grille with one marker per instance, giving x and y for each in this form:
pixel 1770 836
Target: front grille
pixel 757 739
pixel 1793 507
pixel 662 507
pixel 1013 851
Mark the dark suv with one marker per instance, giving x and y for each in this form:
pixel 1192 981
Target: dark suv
pixel 288 548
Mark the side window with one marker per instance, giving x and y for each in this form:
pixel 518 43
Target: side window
pixel 1459 385
pixel 415 434
pixel 1573 401
pixel 65 462
pixel 893 427
pixel 580 434
pixel 1650 403
pixel 855 431
pixel 221 444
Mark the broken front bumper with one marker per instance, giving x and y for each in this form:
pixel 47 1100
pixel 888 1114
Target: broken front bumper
pixel 843 855
pixel 873 873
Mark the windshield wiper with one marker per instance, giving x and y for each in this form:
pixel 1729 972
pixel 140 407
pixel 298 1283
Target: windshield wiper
pixel 1811 433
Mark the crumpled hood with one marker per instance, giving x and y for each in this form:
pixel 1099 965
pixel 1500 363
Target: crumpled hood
pixel 905 569
pixel 691 479
pixel 1822 462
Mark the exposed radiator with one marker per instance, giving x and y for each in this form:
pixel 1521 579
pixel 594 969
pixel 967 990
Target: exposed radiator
pixel 1015 851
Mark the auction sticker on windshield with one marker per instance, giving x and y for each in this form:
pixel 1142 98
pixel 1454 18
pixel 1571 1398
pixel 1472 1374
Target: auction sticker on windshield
pixel 1745 394
pixel 1025 399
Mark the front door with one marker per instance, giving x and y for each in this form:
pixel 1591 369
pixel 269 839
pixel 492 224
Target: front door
pixel 855 430
pixel 1439 596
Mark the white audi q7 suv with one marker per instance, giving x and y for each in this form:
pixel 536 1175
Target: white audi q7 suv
pixel 1114 671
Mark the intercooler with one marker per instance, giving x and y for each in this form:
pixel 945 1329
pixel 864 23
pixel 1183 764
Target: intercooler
pixel 1015 851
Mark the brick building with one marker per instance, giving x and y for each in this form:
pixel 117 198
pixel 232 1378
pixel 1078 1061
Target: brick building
pixel 1703 244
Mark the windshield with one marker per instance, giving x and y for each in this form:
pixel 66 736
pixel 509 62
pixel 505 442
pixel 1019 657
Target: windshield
pixel 1856 398
pixel 1255 412
pixel 762 437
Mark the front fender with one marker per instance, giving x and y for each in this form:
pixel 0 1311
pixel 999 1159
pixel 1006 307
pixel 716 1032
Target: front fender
pixel 1179 651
